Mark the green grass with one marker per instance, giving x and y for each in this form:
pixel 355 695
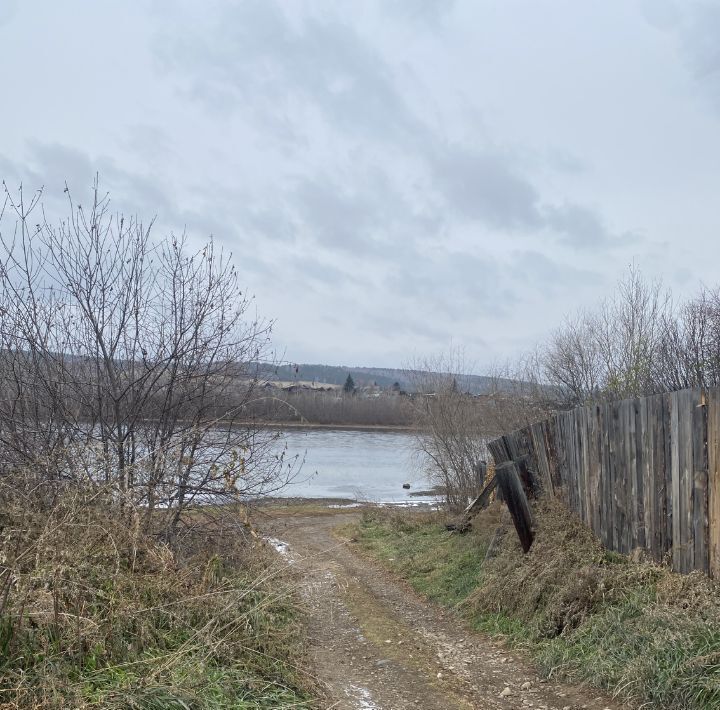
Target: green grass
pixel 639 631
pixel 442 566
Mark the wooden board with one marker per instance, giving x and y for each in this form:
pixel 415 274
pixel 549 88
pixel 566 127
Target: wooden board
pixel 645 446
pixel 699 534
pixel 477 505
pixel 639 446
pixel 675 479
pixel 713 453
pixel 667 442
pixel 687 404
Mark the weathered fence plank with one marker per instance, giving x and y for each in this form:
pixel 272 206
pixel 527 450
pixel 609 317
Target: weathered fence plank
pixel 606 531
pixel 509 482
pixel 646 448
pixel 686 479
pixel 700 487
pixel 639 406
pixel 713 452
pixel 667 443
pixel 593 460
pixel 676 486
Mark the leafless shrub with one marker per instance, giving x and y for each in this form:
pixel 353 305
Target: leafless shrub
pixel 450 439
pixel 123 361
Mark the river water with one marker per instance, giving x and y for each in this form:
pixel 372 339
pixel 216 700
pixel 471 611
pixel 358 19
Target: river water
pixel 360 465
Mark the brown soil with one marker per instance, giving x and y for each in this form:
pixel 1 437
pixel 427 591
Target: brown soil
pixel 376 645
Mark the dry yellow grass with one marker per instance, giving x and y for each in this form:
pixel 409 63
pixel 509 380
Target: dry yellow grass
pixel 94 612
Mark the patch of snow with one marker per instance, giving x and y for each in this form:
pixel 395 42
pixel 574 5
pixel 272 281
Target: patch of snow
pixel 281 547
pixel 362 697
pixel 388 504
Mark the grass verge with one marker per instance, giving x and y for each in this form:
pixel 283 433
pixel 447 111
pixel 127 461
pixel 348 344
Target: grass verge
pixel 637 630
pixel 96 614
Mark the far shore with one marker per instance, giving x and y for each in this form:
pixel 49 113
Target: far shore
pixel 401 428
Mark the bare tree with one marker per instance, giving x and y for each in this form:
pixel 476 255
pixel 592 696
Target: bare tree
pixel 572 361
pixel 611 352
pixel 628 331
pixel 126 361
pixel 689 349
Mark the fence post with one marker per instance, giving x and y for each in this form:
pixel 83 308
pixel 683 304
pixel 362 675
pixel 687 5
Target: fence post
pixel 508 479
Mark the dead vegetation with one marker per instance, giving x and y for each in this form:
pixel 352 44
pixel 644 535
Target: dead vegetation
pixel 96 612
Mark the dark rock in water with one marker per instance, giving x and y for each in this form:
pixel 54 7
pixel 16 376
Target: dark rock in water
pixel 406 485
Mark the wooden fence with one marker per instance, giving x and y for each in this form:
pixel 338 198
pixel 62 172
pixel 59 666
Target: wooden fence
pixel 642 473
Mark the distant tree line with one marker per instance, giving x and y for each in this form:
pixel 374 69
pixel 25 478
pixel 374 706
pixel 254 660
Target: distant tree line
pixel 331 407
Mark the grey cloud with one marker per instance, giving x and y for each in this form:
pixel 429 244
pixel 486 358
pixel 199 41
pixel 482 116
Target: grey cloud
pixel 565 162
pixel 252 54
pixel 359 217
pixel 542 274
pixel 53 165
pixel 662 14
pixel 485 187
pixel 336 217
pixel 578 226
pixel 8 8
pixel 398 322
pixel 359 210
pixel 482 186
pixel 271 223
pixel 148 141
pixel 697 27
pixel 700 43
pixel 49 166
pixel 321 272
pixel 256 53
pixel 450 283
pixel 428 13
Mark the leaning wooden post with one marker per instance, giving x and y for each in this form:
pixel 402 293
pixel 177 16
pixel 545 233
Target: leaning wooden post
pixel 508 480
pixel 474 508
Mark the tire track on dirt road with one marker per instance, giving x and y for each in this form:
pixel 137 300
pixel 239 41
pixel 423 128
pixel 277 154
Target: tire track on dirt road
pixel 375 645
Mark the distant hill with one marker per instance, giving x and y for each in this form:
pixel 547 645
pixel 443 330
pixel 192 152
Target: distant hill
pixel 382 376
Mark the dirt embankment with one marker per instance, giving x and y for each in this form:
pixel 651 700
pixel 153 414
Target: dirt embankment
pixel 376 644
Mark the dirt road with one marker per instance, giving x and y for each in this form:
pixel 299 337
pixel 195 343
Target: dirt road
pixel 376 644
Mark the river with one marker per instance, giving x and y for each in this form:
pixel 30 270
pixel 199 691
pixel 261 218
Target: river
pixel 358 465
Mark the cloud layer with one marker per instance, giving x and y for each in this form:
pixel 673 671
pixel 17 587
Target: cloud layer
pixel 391 175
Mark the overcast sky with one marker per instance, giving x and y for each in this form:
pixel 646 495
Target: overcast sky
pixel 391 176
